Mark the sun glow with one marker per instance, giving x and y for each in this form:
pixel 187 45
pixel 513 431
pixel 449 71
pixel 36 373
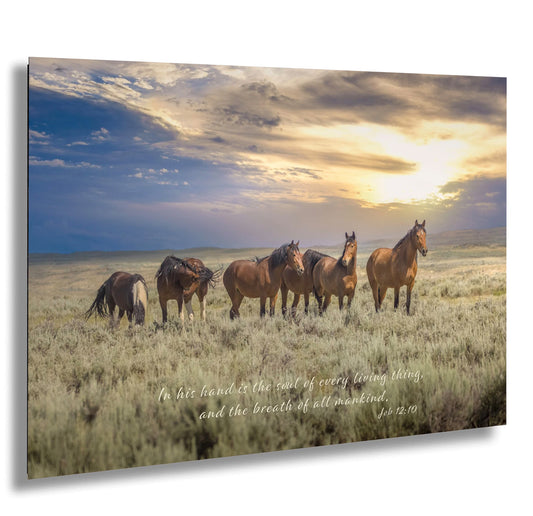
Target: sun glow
pixel 427 162
pixel 437 163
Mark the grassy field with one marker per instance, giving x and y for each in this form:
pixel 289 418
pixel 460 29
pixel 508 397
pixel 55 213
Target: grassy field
pixel 99 399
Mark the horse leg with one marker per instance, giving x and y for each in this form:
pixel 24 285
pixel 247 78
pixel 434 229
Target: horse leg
pixel 327 300
pixel 202 300
pixel 306 299
pixel 273 300
pixel 382 292
pixel 120 315
pixel 341 301
pixel 262 309
pixel 284 295
pixel 111 305
pixel 163 303
pixel 375 291
pixel 409 289
pixel 236 301
pixel 179 299
pixel 187 298
pixel 318 296
pixel 190 312
pixel 295 302
pixel 350 297
pixel 396 297
pixel 129 315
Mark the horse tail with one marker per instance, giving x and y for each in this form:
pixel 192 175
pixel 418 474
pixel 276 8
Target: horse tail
pixel 140 298
pixel 99 306
pixel 370 268
pixel 211 277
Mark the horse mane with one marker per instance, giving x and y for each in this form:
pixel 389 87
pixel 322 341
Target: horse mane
pixel 402 240
pixel 166 269
pixel 279 255
pixel 406 236
pixel 311 258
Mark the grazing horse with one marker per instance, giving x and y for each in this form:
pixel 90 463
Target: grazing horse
pixel 128 292
pixel 207 278
pixel 260 278
pixel 396 267
pixel 299 284
pixel 336 277
pixel 177 278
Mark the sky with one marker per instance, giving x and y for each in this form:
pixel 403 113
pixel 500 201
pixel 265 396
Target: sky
pixel 140 156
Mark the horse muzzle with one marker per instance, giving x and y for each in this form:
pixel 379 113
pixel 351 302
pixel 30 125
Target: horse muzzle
pixel 300 271
pixel 424 252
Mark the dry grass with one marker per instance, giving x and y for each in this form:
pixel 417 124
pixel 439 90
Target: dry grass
pixel 93 394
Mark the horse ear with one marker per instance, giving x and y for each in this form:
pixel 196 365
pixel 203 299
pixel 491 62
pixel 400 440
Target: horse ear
pixel 416 222
pixel 353 235
pixel 424 223
pixel 297 243
pixel 292 242
pixel 346 235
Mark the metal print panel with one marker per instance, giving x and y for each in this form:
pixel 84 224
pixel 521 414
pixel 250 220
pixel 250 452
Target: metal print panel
pixel 229 260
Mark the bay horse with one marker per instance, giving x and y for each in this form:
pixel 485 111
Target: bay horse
pixel 125 290
pixel 179 279
pixel 299 284
pixel 260 278
pixel 396 267
pixel 207 278
pixel 336 277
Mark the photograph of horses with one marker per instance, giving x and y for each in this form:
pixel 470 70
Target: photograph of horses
pixel 203 202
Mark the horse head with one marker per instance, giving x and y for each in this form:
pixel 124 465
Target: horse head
pixel 419 232
pixel 186 273
pixel 350 249
pixel 294 258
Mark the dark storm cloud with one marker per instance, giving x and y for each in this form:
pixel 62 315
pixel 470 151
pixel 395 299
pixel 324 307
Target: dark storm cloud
pixel 368 162
pixel 402 99
pixel 218 139
pixel 477 191
pixel 235 115
pixel 355 92
pixel 265 89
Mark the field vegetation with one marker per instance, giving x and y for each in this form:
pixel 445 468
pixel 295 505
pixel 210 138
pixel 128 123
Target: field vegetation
pixel 101 399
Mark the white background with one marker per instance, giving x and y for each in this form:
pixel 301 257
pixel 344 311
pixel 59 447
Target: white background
pixel 478 472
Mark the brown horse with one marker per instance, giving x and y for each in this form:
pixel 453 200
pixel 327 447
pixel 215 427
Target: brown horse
pixel 394 268
pixel 336 277
pixel 128 292
pixel 177 279
pixel 299 284
pixel 260 278
pixel 207 278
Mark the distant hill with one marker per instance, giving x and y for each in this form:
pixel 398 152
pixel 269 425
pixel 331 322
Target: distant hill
pixel 462 238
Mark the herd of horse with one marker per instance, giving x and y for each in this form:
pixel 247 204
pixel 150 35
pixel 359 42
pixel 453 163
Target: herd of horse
pixel 284 269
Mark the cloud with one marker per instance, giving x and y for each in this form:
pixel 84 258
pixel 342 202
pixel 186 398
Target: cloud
pixel 275 145
pixel 60 163
pixel 39 138
pixel 100 135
